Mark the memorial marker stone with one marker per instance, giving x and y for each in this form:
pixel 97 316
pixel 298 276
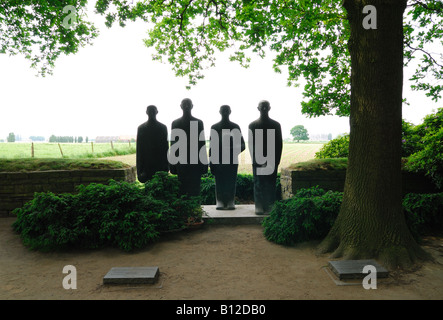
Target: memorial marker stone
pixel 353 269
pixel 132 275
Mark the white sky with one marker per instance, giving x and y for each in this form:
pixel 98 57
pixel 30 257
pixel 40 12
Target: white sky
pixel 104 90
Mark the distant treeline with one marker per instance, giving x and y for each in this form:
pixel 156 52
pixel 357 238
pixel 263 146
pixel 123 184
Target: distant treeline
pixel 37 138
pixel 67 139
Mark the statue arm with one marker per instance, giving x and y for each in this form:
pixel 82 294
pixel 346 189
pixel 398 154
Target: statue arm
pixel 172 167
pixel 139 159
pixel 165 148
pixel 251 144
pixel 211 153
pixel 202 144
pixel 243 144
pixel 278 144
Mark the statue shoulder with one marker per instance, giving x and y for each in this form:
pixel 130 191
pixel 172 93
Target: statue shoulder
pixel 276 123
pixel 199 121
pixel 142 126
pixel 235 126
pixel 254 124
pixel 176 123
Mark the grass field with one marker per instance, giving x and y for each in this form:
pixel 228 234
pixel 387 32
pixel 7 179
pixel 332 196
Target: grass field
pixel 70 150
pixel 292 152
pixel 45 164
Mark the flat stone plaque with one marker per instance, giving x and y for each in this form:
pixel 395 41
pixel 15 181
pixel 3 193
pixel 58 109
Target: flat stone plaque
pixel 353 269
pixel 131 275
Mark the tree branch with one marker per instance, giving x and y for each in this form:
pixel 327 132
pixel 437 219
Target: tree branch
pixel 424 5
pixel 182 15
pixel 425 52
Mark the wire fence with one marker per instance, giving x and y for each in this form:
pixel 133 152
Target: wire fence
pixel 65 150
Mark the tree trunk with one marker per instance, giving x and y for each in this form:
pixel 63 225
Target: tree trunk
pixel 371 223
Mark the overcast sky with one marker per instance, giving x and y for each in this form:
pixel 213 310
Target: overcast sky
pixel 104 90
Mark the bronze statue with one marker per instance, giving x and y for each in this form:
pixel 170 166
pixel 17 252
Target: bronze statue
pixel 152 146
pixel 226 143
pixel 265 145
pixel 187 157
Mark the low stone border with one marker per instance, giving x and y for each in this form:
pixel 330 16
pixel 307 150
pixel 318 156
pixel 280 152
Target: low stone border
pixel 17 188
pixel 292 180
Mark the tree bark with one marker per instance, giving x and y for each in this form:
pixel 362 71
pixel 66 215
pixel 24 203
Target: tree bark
pixel 371 223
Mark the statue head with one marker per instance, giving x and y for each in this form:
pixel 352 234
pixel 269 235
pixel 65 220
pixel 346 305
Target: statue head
pixel 225 111
pixel 264 106
pixel 186 105
pixel 151 111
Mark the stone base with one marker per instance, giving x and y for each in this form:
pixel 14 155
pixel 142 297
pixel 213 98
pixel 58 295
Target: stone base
pixel 243 214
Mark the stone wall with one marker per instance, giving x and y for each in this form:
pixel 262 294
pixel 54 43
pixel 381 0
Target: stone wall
pixel 16 188
pixel 335 180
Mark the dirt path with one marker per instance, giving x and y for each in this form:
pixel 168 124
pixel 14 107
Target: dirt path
pixel 215 262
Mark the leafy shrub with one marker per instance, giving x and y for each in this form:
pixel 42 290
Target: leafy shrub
pixel 41 225
pixel 102 209
pixel 120 214
pixel 174 210
pixel 310 214
pixel 430 159
pixel 428 156
pixel 244 189
pixel 336 148
pixel 423 213
pixel 207 189
pixel 321 164
pixel 307 216
pixel 410 139
pixel 339 147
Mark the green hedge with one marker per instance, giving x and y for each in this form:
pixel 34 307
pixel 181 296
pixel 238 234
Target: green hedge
pixel 423 213
pixel 307 216
pixel 310 214
pixel 124 215
pixel 336 148
pixel 421 145
pixel 244 189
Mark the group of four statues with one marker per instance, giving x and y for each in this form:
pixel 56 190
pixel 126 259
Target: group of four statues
pixel 185 155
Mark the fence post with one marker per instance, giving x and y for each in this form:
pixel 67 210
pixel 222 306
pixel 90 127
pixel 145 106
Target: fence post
pixel 32 150
pixel 60 147
pixel 112 145
pixel 92 146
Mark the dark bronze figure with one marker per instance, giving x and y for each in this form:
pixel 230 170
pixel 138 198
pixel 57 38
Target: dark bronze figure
pixel 265 145
pixel 152 146
pixel 226 143
pixel 188 158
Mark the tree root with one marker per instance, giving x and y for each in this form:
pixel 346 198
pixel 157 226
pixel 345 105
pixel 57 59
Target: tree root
pixel 392 257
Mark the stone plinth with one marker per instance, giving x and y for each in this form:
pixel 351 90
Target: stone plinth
pixel 243 214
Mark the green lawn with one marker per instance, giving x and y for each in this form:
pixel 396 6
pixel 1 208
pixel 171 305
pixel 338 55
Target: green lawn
pixel 45 164
pixel 292 152
pixel 70 150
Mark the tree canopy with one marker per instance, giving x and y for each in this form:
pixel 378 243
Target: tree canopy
pixel 309 38
pixel 299 132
